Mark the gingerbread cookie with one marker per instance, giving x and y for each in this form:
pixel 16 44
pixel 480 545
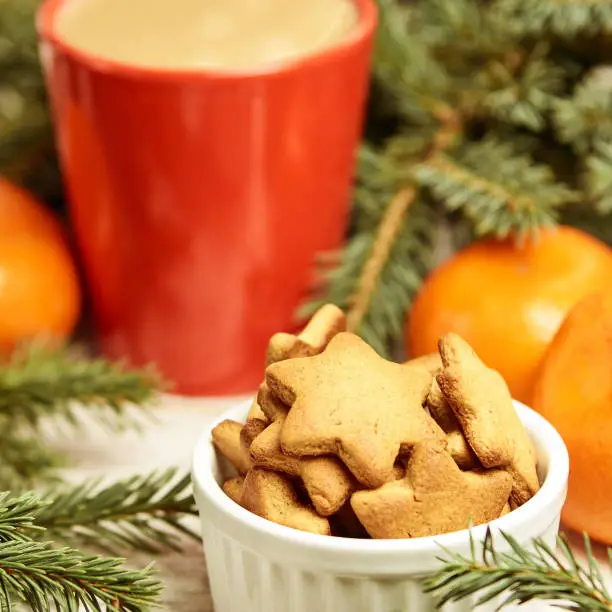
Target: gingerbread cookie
pixel 266 451
pixel 431 362
pixel 271 405
pixel 340 441
pixel 251 430
pixel 328 321
pixel 481 401
pixel 457 445
pixel 271 496
pixel 435 497
pixel 326 481
pixel 350 402
pixel 233 488
pixel 460 450
pixel 255 412
pixel 226 438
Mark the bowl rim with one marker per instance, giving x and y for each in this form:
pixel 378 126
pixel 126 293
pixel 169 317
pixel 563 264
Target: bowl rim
pixel 545 504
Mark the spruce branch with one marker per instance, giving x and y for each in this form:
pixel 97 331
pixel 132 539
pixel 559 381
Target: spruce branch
pixel 382 267
pixel 41 381
pixel 392 221
pixel 143 513
pixel 464 29
pixel 522 575
pixel 24 462
pixel 566 18
pixel 585 119
pixel 500 191
pixel 408 263
pixel 521 88
pixel 478 107
pixel 17 515
pixel 409 254
pixel 493 74
pixel 405 67
pixel 598 177
pixel 25 126
pixel 386 236
pixel 43 577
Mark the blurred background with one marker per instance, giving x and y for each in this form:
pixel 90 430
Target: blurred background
pixel 480 203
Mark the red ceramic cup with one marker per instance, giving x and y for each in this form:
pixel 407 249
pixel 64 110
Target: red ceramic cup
pixel 200 198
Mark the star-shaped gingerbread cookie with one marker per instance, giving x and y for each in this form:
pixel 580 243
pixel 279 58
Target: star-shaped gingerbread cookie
pixel 350 402
pixel 435 497
pixel 226 438
pixel 328 321
pixel 481 401
pixel 312 340
pixel 327 482
pixel 272 496
pixel 270 405
pixel 457 445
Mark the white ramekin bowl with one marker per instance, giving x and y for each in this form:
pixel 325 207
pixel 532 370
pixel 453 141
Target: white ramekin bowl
pixel 259 566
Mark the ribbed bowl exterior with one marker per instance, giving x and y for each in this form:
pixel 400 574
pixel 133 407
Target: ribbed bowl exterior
pixel 242 579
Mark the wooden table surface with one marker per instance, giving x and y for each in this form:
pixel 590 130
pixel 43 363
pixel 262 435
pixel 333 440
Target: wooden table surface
pixel 168 441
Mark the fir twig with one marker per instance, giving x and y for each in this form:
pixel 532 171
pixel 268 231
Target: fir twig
pixel 405 66
pixel 408 258
pixel 479 118
pixel 521 89
pixel 387 233
pixel 26 154
pixel 17 515
pixel 598 177
pixel 142 512
pixel 394 217
pixel 521 575
pixel 42 381
pixel 43 577
pixel 25 462
pixel 500 191
pixel 566 18
pixel 585 118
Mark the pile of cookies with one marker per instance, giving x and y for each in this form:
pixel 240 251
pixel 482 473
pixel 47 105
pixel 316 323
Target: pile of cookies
pixel 340 441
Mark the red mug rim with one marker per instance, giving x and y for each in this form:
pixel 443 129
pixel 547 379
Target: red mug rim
pixel 45 19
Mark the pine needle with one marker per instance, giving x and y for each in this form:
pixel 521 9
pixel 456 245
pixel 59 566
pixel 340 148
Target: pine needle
pixel 521 575
pixel 598 177
pixel 462 87
pixel 142 513
pixel 565 18
pixel 500 191
pixel 387 233
pixel 26 154
pixel 44 577
pixel 25 462
pixel 405 66
pixel 585 119
pixel 17 515
pixel 522 91
pixel 407 255
pixel 41 381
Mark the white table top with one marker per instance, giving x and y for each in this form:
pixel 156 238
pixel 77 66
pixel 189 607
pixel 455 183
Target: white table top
pixel 169 441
